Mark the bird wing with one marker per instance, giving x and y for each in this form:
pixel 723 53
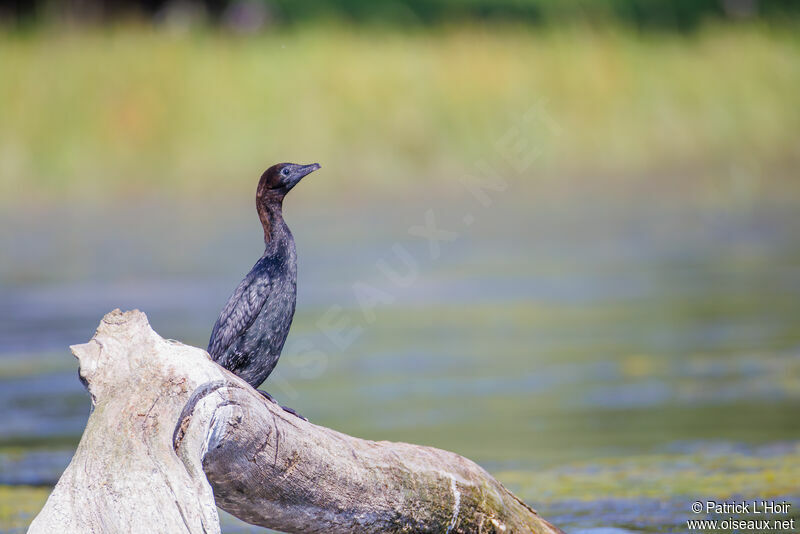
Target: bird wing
pixel 239 313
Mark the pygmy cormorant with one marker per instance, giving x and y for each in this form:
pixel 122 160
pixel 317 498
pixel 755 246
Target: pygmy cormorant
pixel 249 334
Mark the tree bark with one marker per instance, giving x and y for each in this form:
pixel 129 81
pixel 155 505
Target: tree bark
pixel 168 425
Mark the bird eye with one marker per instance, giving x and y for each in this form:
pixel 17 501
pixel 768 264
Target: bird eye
pixel 285 171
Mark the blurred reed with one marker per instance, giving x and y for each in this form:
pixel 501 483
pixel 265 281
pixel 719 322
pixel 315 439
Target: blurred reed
pixel 132 108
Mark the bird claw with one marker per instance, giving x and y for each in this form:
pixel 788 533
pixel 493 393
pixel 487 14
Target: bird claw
pixel 293 412
pixel 267 396
pixel 285 408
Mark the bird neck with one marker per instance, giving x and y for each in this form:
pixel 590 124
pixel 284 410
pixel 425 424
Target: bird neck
pixel 270 212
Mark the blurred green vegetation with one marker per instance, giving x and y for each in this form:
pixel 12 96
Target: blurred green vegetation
pixel 132 109
pixel 662 14
pixel 677 14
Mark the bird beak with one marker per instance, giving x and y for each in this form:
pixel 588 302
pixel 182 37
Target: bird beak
pixel 307 169
pixel 298 173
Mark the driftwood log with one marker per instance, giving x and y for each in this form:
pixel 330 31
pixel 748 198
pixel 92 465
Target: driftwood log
pixel 172 435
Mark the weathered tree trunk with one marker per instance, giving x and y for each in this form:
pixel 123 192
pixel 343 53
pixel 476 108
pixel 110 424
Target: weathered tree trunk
pixel 169 425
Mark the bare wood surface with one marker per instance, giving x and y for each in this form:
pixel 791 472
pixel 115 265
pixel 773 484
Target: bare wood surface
pixel 168 421
pixel 125 476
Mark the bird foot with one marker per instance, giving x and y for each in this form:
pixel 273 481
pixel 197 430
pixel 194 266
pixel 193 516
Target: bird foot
pixel 267 396
pixel 285 408
pixel 293 412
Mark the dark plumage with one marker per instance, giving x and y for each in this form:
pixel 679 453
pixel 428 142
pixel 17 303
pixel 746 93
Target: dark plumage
pixel 249 334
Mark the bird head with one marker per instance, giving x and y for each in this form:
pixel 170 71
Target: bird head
pixel 281 178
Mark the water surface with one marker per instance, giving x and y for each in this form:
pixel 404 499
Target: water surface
pixel 609 361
